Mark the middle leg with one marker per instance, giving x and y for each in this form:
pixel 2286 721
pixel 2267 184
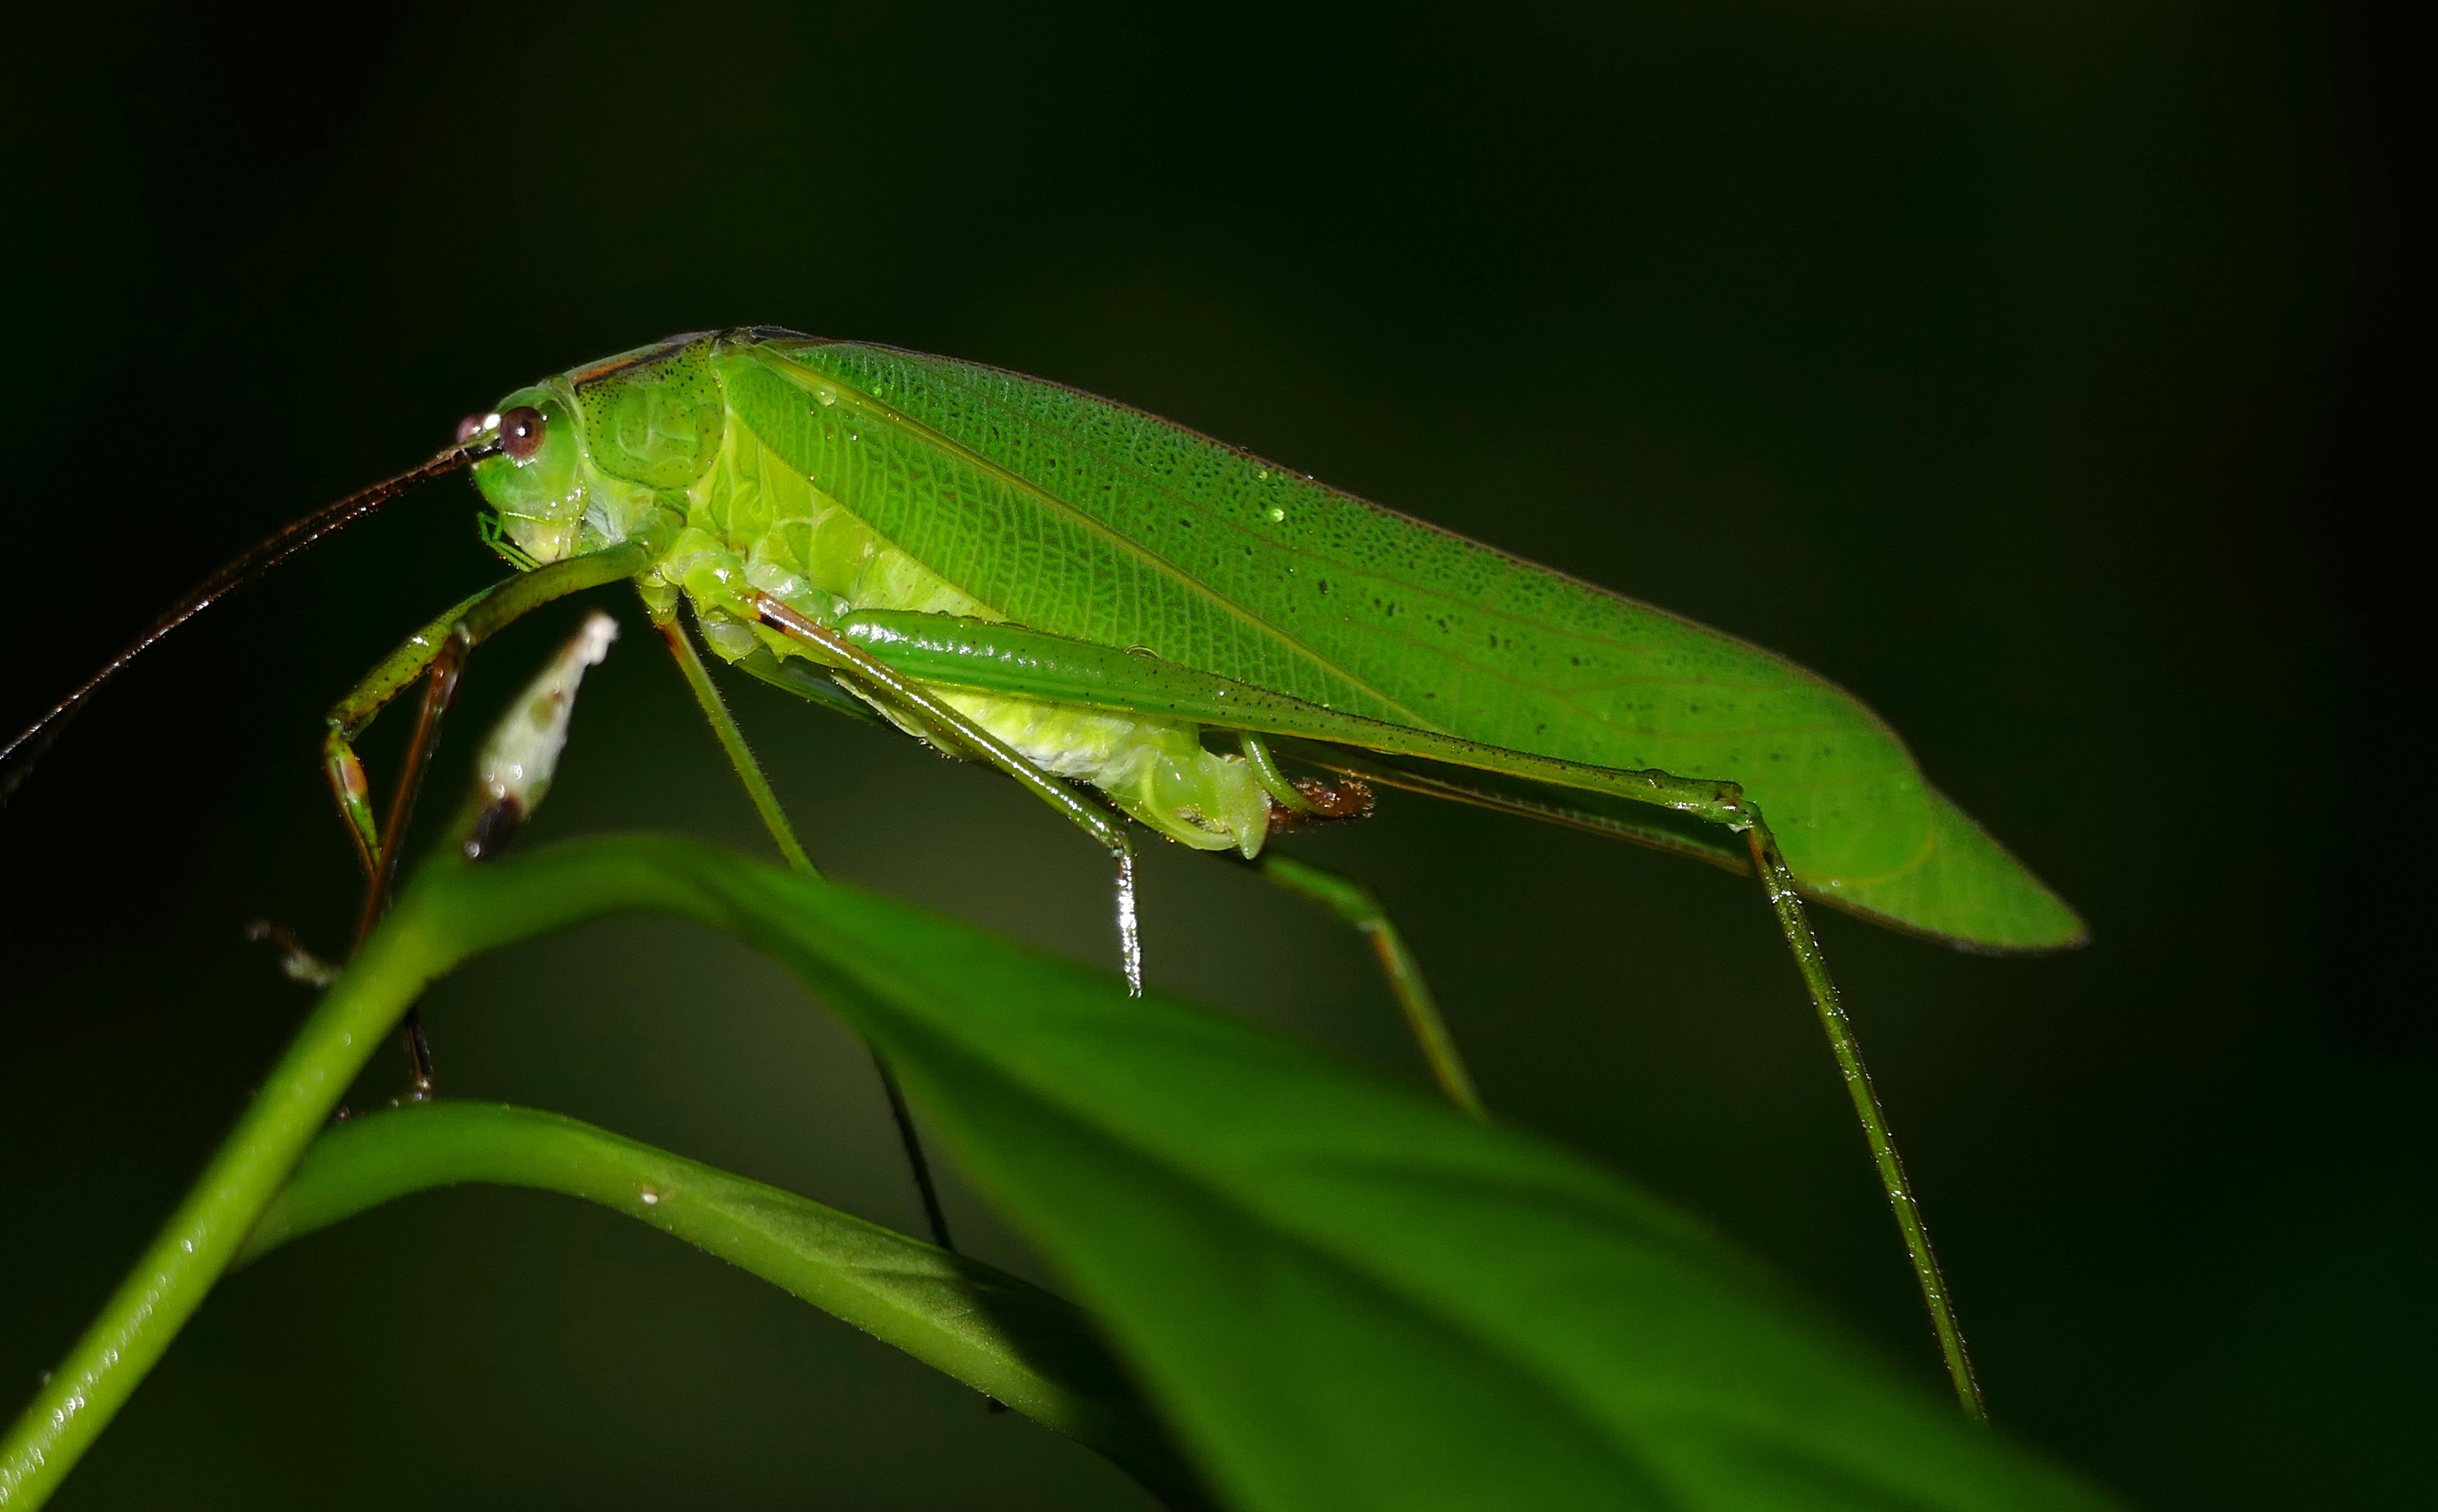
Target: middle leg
pixel 783 834
pixel 1091 817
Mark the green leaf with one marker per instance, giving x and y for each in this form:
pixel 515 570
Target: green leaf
pixel 1343 1294
pixel 1339 1292
pixel 995 1332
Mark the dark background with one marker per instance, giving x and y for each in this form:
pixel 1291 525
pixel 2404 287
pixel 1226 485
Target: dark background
pixel 2037 371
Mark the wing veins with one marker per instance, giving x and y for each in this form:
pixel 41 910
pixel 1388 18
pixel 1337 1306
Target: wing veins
pixel 1132 551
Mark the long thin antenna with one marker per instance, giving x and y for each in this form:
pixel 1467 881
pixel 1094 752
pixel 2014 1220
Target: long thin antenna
pixel 18 757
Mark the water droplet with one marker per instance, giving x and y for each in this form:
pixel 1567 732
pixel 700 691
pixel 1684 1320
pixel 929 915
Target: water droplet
pixel 1276 514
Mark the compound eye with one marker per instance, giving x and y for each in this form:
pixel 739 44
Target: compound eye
pixel 472 426
pixel 520 431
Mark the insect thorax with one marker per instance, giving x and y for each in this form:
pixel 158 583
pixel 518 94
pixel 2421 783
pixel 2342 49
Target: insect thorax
pixel 754 521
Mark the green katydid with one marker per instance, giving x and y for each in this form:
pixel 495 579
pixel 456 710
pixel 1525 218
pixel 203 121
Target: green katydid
pixel 1133 620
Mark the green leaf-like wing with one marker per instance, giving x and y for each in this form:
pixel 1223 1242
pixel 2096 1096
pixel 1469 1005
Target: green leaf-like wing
pixel 1085 518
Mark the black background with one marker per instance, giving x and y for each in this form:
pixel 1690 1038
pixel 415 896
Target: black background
pixel 2041 372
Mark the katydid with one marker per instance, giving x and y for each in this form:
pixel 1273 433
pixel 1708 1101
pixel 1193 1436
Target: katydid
pixel 1134 621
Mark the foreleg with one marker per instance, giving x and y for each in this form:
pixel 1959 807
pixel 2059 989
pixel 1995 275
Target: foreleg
pixel 436 653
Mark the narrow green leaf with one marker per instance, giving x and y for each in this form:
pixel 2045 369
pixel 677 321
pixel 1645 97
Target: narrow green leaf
pixel 995 1332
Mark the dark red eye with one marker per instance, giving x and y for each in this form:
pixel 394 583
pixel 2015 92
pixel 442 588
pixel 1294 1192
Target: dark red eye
pixel 521 433
pixel 468 426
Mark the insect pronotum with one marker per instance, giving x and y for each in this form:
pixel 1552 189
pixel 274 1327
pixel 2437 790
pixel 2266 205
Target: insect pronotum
pixel 1134 621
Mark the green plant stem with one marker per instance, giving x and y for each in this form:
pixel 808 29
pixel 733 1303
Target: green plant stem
pixel 1814 963
pixel 998 1334
pixel 449 912
pixel 351 1022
